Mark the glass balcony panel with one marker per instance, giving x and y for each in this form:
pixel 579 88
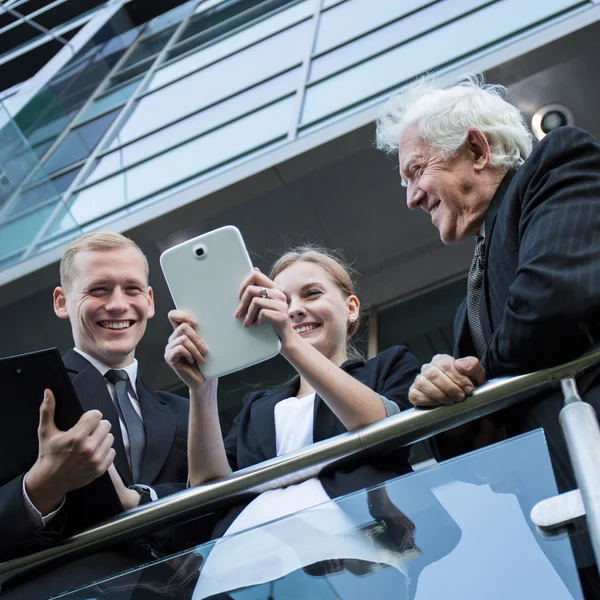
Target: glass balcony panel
pixel 459 531
pixel 148 47
pixel 387 37
pixel 355 17
pixel 186 161
pixel 80 142
pixel 193 126
pixel 233 43
pixel 460 38
pixel 217 81
pixel 110 100
pixel 17 234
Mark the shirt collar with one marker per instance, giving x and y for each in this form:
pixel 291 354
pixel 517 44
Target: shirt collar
pixel 131 369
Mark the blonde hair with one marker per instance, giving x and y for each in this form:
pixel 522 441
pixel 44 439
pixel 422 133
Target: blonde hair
pixel 444 114
pixel 341 273
pixel 100 241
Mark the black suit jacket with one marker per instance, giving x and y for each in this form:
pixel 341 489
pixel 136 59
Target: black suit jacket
pixel 164 467
pixel 540 302
pixel 252 437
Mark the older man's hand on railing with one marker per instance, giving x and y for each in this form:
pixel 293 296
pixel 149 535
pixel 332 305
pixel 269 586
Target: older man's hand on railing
pixel 446 380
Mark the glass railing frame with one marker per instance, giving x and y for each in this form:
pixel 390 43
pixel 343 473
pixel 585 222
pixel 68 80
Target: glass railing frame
pixel 403 429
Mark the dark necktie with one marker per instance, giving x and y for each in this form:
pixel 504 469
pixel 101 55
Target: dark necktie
pixel 133 422
pixel 474 284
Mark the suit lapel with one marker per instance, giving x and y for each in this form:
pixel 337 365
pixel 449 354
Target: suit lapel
pixel 159 426
pixel 93 394
pixel 490 222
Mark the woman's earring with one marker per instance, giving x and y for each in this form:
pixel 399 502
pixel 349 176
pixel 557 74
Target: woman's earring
pixel 352 319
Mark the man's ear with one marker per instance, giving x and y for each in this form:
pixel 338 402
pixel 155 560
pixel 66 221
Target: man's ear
pixel 150 302
pixel 479 148
pixel 60 303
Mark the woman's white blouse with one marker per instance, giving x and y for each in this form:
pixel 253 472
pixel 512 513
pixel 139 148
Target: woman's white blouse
pixel 294 419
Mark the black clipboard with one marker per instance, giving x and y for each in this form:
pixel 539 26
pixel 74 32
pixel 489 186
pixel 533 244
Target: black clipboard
pixel 23 379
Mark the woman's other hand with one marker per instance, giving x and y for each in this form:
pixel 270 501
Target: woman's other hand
pixel 261 300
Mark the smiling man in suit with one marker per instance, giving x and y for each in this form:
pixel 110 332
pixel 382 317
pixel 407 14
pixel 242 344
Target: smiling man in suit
pixel 533 292
pixel 138 435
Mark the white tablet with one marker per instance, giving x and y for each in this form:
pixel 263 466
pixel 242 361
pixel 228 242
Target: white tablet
pixel 204 276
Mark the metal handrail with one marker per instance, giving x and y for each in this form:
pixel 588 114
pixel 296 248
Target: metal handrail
pixel 403 429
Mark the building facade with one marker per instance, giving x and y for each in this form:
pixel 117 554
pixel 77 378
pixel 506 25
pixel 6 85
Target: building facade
pixel 163 120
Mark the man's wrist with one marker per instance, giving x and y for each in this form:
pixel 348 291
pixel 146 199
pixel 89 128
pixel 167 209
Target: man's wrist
pixel 43 497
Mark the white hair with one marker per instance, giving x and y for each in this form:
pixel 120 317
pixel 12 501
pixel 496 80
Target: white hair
pixel 444 115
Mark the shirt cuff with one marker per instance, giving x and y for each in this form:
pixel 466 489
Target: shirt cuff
pixel 391 408
pixel 35 516
pixel 151 491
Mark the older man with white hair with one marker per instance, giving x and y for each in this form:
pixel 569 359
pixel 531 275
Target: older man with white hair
pixel 533 292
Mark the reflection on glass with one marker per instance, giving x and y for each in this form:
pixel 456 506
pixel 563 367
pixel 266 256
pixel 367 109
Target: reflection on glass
pixel 148 47
pixel 458 531
pixel 210 118
pixel 389 36
pixel 232 43
pixel 80 142
pixel 50 111
pixel 450 42
pixel 217 81
pixel 19 233
pixel 170 17
pixel 124 76
pixel 221 19
pixel 188 160
pixel 356 17
pixel 32 196
pixel 110 100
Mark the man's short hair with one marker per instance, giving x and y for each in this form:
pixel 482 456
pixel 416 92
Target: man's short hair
pixel 444 113
pixel 100 241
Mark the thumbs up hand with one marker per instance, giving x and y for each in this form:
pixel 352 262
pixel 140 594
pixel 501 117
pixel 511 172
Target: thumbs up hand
pixel 67 460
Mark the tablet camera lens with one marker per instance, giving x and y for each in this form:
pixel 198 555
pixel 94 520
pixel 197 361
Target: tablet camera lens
pixel 199 251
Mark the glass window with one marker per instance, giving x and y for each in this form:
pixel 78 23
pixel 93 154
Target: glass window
pixel 79 142
pixel 450 42
pixel 148 47
pixel 34 196
pixel 16 37
pixel 210 118
pixel 62 227
pixel 175 15
pixel 388 36
pixel 226 16
pixel 186 161
pixel 355 17
pixel 232 43
pixel 110 100
pixel 19 233
pixel 218 81
pixel 131 73
pixel 7 19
